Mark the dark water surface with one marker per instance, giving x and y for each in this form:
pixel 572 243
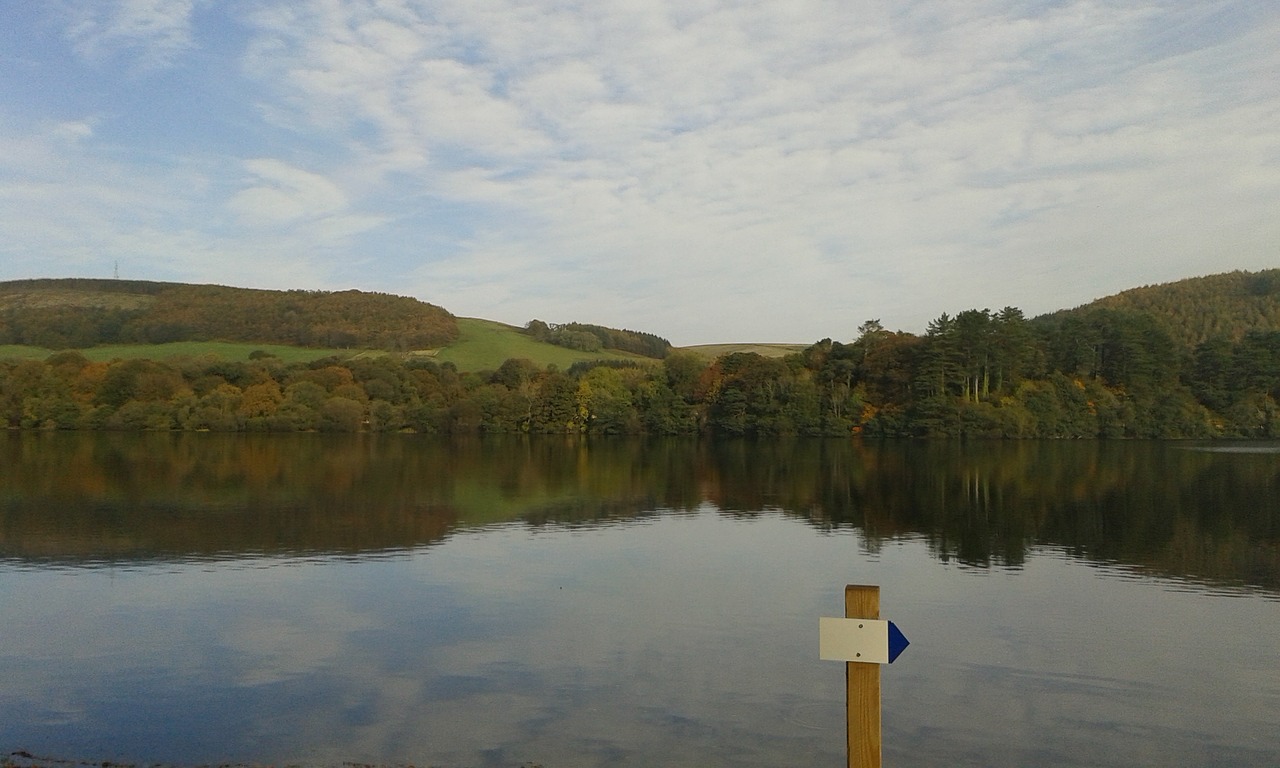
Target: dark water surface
pixel 201 599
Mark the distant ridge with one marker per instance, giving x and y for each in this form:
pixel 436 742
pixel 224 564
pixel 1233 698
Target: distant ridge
pixel 712 351
pixel 1106 370
pixel 62 313
pixel 1191 311
pixel 81 313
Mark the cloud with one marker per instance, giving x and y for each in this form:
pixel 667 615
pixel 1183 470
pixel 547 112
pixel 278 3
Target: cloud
pixel 154 31
pixel 706 170
pixel 68 209
pixel 282 193
pixel 73 130
pixel 307 210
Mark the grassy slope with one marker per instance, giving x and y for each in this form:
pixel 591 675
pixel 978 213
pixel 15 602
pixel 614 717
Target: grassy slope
pixel 482 345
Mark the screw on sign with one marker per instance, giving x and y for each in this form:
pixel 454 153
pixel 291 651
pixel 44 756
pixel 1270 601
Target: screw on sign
pixel 864 642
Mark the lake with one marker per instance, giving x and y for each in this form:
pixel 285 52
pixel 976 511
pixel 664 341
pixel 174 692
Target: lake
pixel 319 600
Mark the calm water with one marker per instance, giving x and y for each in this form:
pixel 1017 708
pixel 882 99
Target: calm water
pixel 198 599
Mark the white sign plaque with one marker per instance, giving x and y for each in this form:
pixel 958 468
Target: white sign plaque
pixel 867 640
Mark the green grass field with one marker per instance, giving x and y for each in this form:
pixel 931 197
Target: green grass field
pixel 13 351
pixel 482 345
pixel 485 344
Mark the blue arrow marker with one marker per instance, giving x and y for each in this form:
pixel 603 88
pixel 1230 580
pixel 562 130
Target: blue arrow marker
pixel 897 641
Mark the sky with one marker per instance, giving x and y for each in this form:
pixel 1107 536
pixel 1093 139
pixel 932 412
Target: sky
pixel 706 170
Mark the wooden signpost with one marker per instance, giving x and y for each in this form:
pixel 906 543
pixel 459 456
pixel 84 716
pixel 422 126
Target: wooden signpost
pixel 864 642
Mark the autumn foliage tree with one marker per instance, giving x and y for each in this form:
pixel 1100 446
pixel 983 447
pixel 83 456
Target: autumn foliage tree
pixel 1119 369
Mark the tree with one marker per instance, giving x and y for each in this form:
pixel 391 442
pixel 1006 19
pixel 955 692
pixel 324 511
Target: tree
pixel 682 371
pixel 1013 348
pixel 516 373
pixel 972 345
pixel 604 402
pixel 260 401
pixel 218 410
pixel 663 412
pixel 555 405
pixel 341 414
pixel 537 329
pixel 1211 375
pixel 939 366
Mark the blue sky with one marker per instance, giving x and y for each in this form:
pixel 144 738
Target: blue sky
pixel 708 171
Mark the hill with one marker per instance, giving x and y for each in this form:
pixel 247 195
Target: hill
pixel 712 351
pixel 124 319
pixel 1099 371
pixel 83 313
pixel 486 344
pixel 481 345
pixel 1191 311
pixel 127 319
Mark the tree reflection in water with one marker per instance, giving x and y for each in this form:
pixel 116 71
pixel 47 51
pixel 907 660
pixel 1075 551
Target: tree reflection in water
pixel 1169 508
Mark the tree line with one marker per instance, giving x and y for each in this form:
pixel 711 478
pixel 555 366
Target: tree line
pixel 1100 373
pixel 593 338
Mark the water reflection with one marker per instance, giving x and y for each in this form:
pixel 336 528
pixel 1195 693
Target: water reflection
pixel 319 600
pixel 1191 512
pixel 689 640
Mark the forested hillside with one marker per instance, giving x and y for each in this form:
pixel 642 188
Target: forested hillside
pixel 1193 311
pixel 1095 372
pixel 1109 374
pixel 68 314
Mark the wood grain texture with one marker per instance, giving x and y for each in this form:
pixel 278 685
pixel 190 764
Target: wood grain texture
pixel 863 685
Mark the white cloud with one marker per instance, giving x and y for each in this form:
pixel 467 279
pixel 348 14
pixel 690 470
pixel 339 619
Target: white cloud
pixel 282 193
pixel 154 30
pixel 69 209
pixel 73 130
pixel 307 207
pixel 686 167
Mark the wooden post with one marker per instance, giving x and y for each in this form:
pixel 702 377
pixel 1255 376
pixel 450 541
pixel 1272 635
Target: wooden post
pixel 863 685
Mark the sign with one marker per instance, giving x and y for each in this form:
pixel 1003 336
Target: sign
pixel 865 640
